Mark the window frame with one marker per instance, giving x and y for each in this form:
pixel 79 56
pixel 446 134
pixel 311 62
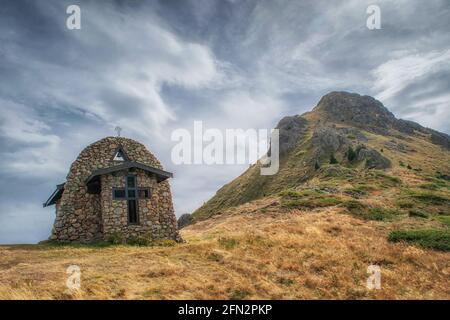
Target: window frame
pixel 118 198
pixel 149 191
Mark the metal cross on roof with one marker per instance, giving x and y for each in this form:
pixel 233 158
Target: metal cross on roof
pixel 118 129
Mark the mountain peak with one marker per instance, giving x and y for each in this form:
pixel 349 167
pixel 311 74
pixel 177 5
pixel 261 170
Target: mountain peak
pixel 369 114
pixel 354 109
pixel 340 142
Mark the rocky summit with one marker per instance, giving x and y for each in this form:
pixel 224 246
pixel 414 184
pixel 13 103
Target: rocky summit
pixel 370 114
pixel 355 110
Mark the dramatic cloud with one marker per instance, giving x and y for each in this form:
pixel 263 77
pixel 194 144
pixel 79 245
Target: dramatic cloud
pixel 416 82
pixel 36 150
pixel 152 67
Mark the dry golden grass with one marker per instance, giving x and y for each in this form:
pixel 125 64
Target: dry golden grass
pixel 255 251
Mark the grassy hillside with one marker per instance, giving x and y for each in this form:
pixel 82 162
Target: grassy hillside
pixel 415 162
pixel 266 249
pixel 261 250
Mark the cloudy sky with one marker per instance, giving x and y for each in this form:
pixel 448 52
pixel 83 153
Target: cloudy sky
pixel 155 66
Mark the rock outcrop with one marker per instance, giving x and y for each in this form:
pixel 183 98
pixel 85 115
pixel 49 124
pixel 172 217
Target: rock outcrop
pixel 184 220
pixel 328 140
pixel 290 129
pixel 355 110
pixel 374 160
pixel 371 115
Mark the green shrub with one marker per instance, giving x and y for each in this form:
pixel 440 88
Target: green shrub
pixel 333 160
pixel 327 202
pixel 351 154
pixel 331 171
pixel 417 213
pixel 311 203
pixel 429 238
pixel 357 209
pixel 91 244
pixel 388 180
pixel 442 176
pixel 227 243
pixel 401 163
pixel 354 205
pixel 285 281
pixel 380 214
pixel 429 186
pixel 290 194
pixel 430 198
pixel 116 238
pixel 301 194
pixel 139 241
pixel 405 204
pixel 317 165
pixel 295 204
pixel 409 167
pixel 392 179
pixel 358 190
pixel 238 294
pixel 445 220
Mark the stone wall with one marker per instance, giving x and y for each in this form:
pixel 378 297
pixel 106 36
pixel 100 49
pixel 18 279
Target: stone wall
pixel 79 214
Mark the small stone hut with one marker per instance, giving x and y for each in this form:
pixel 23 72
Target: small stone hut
pixel 115 188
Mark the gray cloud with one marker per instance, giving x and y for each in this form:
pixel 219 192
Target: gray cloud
pixel 152 67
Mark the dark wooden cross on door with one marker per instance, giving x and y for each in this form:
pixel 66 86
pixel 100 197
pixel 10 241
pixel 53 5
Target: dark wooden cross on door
pixel 131 193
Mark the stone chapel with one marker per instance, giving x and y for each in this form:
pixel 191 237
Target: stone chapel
pixel 116 187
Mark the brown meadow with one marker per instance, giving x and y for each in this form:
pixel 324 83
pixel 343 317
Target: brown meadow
pixel 254 251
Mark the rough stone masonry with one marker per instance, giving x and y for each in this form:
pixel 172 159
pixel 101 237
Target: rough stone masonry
pixel 115 188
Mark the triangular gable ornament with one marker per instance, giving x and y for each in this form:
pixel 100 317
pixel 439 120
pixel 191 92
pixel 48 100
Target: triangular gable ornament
pixel 120 155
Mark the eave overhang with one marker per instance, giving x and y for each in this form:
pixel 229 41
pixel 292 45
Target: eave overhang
pixel 161 175
pixel 56 195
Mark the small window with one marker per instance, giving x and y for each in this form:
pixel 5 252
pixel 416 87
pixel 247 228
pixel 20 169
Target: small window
pixel 144 193
pixel 131 182
pixel 119 193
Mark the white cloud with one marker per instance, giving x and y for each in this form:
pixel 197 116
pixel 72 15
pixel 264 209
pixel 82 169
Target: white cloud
pixel 432 112
pixel 242 109
pixel 394 75
pixel 37 149
pixel 119 79
pixel 408 85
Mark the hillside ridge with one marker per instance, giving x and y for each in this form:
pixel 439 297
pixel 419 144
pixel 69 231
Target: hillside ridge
pixel 344 135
